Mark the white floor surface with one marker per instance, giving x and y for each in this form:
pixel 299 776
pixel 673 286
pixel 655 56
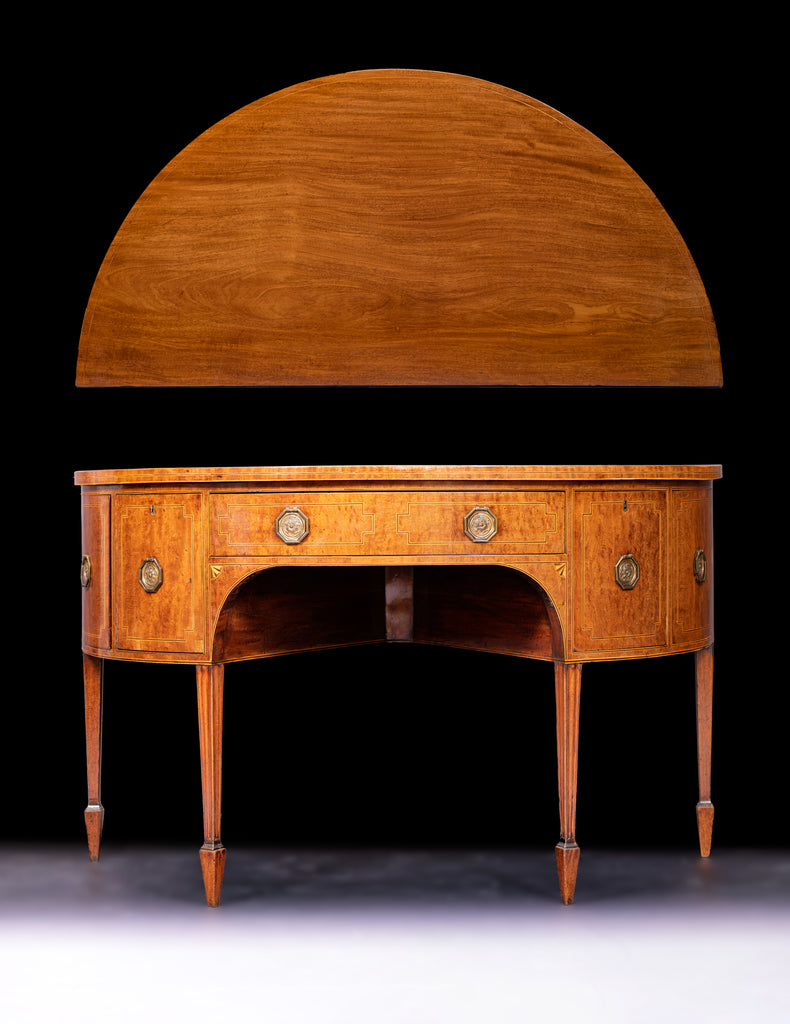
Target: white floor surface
pixel 334 936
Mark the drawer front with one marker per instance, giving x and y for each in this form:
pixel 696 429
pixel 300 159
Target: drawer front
pixel 382 523
pixel 620 559
pixel 532 522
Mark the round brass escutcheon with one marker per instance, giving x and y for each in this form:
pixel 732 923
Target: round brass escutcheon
pixel 292 525
pixel 151 575
pixel 86 570
pixel 700 566
pixel 626 572
pixel 480 524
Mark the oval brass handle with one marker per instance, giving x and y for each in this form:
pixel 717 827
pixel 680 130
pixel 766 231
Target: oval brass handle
pixel 292 525
pixel 86 571
pixel 151 575
pixel 626 572
pixel 480 524
pixel 700 566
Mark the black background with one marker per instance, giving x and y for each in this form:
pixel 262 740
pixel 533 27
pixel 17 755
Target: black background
pixel 404 745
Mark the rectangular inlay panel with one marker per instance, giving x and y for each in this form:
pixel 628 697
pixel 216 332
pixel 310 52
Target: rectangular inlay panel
pixel 96 626
pixel 610 526
pixel 692 521
pixel 390 523
pixel 167 528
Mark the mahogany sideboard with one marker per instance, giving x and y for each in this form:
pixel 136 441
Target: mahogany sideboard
pixel 568 564
pixel 391 228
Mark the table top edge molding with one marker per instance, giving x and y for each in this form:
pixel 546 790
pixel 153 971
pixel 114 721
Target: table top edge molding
pixel 338 475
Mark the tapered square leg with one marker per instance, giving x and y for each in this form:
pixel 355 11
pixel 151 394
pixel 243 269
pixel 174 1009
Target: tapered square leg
pixel 567 682
pixel 704 680
pixel 93 671
pixel 210 685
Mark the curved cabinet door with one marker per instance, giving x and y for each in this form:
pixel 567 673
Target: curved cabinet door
pixel 691 580
pixel 158 602
pixel 95 572
pixel 620 545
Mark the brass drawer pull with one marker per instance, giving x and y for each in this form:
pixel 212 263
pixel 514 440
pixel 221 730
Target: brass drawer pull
pixel 700 566
pixel 626 572
pixel 151 575
pixel 292 525
pixel 480 524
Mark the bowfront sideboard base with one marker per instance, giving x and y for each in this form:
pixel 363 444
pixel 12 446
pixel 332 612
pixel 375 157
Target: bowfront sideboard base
pixel 563 564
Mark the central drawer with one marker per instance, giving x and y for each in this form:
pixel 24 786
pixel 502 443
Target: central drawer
pixel 387 523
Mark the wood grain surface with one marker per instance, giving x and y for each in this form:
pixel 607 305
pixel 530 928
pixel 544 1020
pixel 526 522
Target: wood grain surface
pixel 398 228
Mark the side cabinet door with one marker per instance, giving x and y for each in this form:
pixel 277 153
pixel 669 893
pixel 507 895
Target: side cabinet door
pixel 692 565
pixel 96 626
pixel 620 557
pixel 158 565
